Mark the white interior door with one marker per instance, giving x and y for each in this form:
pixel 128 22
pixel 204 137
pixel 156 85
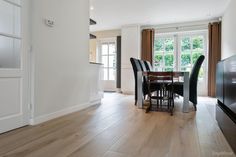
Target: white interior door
pixel 13 103
pixel 107 55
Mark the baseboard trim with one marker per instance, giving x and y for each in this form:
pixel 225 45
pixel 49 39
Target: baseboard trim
pixel 66 111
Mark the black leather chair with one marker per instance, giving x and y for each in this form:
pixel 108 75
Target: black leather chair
pixel 143 66
pixel 148 66
pixel 136 67
pixel 145 83
pixel 178 87
pixel 139 65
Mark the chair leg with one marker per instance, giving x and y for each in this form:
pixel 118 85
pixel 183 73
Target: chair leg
pixel 136 101
pixel 195 107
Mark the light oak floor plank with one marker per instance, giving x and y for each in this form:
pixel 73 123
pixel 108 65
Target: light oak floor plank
pixel 116 128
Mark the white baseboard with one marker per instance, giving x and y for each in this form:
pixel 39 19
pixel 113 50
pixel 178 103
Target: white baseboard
pixel 66 111
pixel 128 92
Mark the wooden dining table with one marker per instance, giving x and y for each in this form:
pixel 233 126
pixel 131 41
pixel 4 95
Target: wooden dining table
pixel 176 74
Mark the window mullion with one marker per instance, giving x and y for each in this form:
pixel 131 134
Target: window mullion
pixel 108 68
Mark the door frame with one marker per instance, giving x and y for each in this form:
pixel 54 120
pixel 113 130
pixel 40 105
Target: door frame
pixel 109 85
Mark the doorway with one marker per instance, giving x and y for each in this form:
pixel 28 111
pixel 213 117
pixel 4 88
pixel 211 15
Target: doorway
pixel 107 52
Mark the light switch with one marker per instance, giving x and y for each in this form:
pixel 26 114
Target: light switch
pixel 49 23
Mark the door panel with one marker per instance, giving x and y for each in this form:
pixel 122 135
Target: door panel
pixel 10 97
pixel 14 111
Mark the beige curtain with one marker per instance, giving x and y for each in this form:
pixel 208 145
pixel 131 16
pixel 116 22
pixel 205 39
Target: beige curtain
pixel 214 55
pixel 148 44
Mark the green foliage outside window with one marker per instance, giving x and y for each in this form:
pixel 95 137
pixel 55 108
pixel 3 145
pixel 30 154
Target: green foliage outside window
pixel 198 43
pixel 159 45
pixel 169 45
pixel 186 44
pixel 169 60
pixel 195 56
pixel 158 59
pixel 185 59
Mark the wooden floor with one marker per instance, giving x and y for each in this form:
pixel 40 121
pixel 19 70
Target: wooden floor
pixel 117 129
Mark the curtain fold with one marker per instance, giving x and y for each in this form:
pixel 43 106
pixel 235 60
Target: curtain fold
pixel 214 55
pixel 148 36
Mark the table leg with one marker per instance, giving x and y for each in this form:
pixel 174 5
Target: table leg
pixel 140 89
pixel 186 93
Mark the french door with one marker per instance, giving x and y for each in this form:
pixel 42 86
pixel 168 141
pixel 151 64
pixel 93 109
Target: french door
pixel 107 56
pixel 179 52
pixel 14 110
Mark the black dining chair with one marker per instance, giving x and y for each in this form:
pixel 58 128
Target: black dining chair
pixel 137 66
pixel 164 93
pixel 148 66
pixel 143 66
pixel 193 81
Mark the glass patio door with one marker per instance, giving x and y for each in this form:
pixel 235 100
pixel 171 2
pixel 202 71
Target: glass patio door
pixel 108 59
pixel 179 52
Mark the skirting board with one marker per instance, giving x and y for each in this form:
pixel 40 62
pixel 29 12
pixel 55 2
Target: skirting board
pixel 57 114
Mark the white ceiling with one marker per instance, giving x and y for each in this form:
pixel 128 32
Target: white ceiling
pixel 112 14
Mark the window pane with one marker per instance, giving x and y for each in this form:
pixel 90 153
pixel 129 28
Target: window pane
pixel 104 49
pixel 112 74
pixel 105 61
pixel 169 45
pixel 198 43
pixel 159 45
pixel 186 59
pixel 186 69
pixel 158 60
pixel 169 60
pixel 112 61
pixel 201 74
pixel 9 52
pixel 105 74
pixel 196 55
pixel 169 69
pixel 9 18
pixel 112 48
pixel 185 44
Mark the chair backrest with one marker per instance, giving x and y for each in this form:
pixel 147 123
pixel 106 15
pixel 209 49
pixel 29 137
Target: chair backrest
pixel 136 67
pixel 148 66
pixel 160 76
pixel 143 66
pixel 194 79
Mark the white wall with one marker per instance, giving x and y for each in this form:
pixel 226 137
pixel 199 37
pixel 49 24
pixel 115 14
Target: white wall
pixel 228 31
pixel 61 58
pixel 130 47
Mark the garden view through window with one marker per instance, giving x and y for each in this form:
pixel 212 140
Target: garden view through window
pixel 179 52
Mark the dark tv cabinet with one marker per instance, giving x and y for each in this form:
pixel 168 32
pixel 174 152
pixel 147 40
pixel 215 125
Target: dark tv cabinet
pixel 226 98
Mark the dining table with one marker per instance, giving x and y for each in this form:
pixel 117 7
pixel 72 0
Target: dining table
pixel 177 74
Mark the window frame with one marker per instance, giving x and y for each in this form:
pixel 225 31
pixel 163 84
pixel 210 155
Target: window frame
pixel 163 53
pixel 178 51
